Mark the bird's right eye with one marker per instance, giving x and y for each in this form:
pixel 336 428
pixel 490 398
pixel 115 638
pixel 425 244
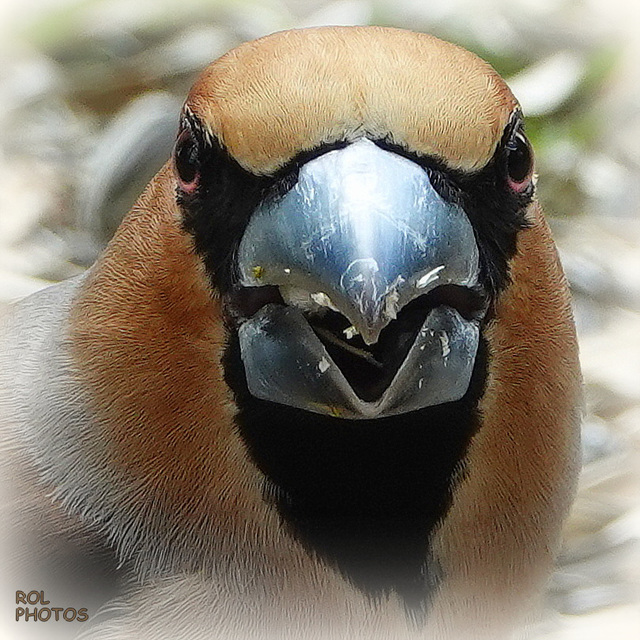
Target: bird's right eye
pixel 186 159
pixel 519 162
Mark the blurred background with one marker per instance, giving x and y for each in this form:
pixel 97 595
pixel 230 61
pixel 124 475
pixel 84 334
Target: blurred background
pixel 90 92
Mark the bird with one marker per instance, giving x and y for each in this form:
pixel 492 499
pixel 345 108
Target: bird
pixel 323 382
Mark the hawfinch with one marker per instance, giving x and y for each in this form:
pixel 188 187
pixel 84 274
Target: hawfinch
pixel 322 383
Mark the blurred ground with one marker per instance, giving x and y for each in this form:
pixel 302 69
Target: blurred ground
pixel 89 97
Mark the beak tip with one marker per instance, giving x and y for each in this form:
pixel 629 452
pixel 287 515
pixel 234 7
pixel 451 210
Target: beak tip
pixel 370 337
pixel 374 315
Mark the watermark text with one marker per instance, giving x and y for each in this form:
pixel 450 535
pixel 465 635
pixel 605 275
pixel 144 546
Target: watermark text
pixel 27 612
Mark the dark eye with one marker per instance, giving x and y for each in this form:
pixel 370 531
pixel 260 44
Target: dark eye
pixel 519 162
pixel 186 159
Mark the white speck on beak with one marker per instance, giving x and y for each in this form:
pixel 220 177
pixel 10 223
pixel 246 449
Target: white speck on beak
pixel 323 300
pixel 428 278
pixel 323 365
pixel 444 341
pixel 350 332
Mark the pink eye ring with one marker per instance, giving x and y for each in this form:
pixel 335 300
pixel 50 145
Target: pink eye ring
pixel 519 163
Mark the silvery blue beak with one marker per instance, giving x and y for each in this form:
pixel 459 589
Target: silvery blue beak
pixel 365 255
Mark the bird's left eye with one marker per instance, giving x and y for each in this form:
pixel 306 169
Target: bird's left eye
pixel 519 162
pixel 186 158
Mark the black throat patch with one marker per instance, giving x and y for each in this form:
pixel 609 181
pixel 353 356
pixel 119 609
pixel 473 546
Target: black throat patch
pixel 364 495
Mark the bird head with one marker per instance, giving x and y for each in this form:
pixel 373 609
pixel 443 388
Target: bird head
pixel 356 205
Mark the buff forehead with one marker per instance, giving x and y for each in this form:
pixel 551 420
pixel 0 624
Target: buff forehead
pixel 272 98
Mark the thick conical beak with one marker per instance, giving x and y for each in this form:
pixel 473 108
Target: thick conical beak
pixel 364 233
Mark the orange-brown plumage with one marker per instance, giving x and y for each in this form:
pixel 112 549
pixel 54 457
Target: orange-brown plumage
pixel 270 99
